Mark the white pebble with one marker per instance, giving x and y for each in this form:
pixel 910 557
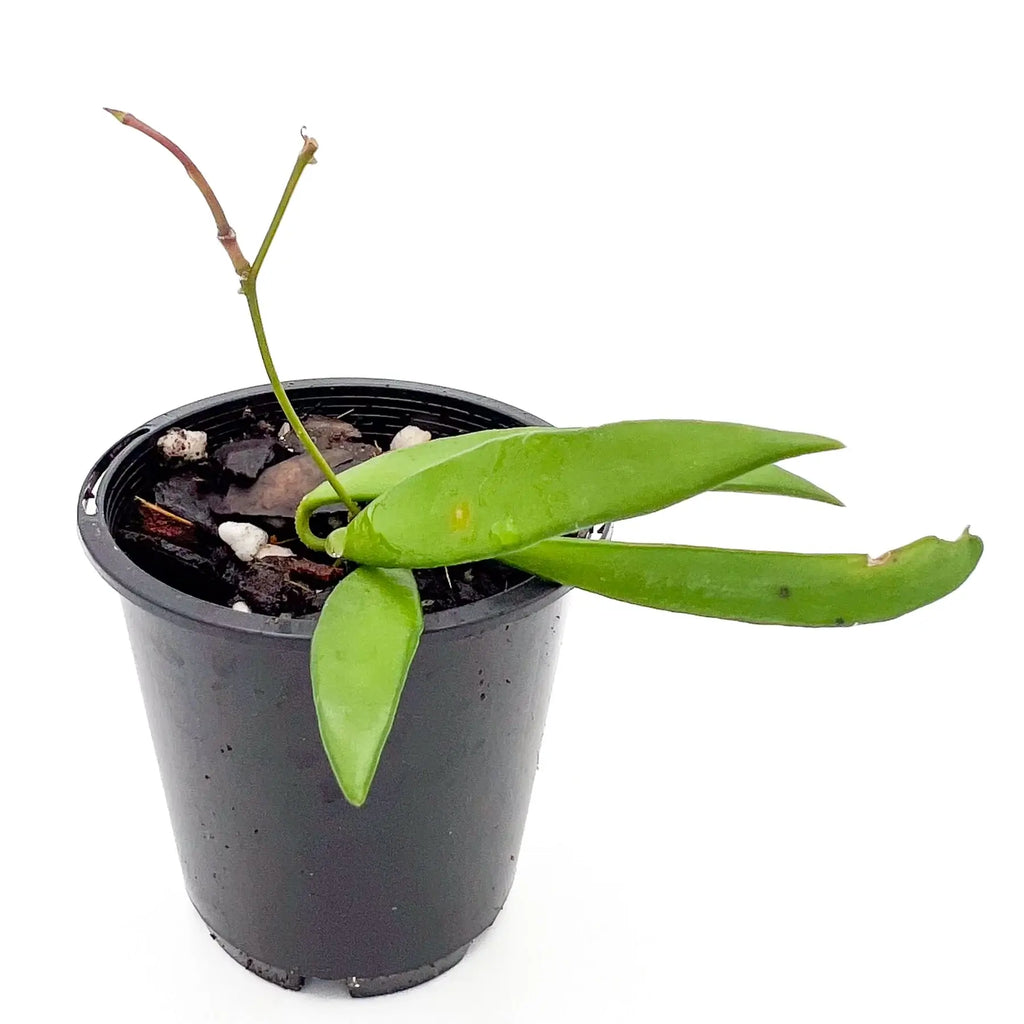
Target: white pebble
pixel 245 539
pixel 240 606
pixel 189 445
pixel 409 437
pixel 274 551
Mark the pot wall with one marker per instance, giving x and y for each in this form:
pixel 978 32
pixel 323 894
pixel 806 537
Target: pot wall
pixel 293 880
pixel 277 862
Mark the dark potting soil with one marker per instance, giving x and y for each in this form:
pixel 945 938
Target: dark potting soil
pixel 258 476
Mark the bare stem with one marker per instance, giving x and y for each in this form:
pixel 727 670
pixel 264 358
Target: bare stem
pixel 306 156
pixel 225 232
pixel 286 406
pixel 248 273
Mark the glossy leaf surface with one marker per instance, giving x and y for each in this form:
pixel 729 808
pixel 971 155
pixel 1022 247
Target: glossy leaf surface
pixel 776 480
pixel 759 586
pixel 363 645
pixel 511 492
pixel 370 479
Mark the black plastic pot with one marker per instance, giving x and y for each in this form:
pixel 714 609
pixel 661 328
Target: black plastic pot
pixel 291 880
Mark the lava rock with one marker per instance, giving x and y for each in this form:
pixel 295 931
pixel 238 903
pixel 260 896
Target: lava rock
pixel 212 574
pixel 266 588
pixel 245 460
pixel 185 496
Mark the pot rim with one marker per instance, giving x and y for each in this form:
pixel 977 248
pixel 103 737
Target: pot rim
pixel 138 586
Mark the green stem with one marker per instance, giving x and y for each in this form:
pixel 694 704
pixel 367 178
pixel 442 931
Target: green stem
pixel 304 530
pixel 305 157
pixel 249 290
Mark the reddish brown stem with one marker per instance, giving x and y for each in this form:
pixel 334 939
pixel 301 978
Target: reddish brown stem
pixel 225 232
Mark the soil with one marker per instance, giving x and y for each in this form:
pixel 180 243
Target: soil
pixel 258 476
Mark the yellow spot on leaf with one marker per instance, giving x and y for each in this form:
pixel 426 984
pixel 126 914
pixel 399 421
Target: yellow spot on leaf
pixel 460 516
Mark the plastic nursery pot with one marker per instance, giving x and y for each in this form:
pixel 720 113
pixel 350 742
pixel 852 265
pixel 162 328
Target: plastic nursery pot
pixel 290 879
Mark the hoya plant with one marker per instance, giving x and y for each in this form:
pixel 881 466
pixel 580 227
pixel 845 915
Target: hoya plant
pixel 528 497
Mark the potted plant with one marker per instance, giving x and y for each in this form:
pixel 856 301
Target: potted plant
pixel 271 728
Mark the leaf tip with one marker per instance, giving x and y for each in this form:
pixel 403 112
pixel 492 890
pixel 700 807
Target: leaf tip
pixel 356 797
pixel 119 114
pixel 828 498
pixel 975 541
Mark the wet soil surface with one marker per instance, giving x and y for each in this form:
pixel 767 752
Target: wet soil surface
pixel 258 477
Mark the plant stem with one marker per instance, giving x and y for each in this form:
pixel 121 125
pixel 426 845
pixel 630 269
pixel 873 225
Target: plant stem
pixel 306 156
pixel 225 232
pixel 286 406
pixel 248 274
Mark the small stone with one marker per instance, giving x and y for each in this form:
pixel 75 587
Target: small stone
pixel 187 445
pixel 240 606
pixel 274 551
pixel 245 539
pixel 409 437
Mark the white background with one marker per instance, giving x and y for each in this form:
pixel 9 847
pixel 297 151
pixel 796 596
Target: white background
pixel 800 215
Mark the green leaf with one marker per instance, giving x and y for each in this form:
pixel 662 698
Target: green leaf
pixel 363 645
pixel 776 480
pixel 369 479
pixel 759 586
pixel 513 491
pixel 372 478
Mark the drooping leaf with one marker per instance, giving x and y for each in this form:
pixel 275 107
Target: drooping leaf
pixel 776 480
pixel 363 645
pixel 759 586
pixel 513 491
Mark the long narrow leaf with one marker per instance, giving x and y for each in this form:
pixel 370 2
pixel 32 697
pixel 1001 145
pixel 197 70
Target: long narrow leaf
pixel 774 480
pixel 372 478
pixel 363 645
pixel 511 492
pixel 759 586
